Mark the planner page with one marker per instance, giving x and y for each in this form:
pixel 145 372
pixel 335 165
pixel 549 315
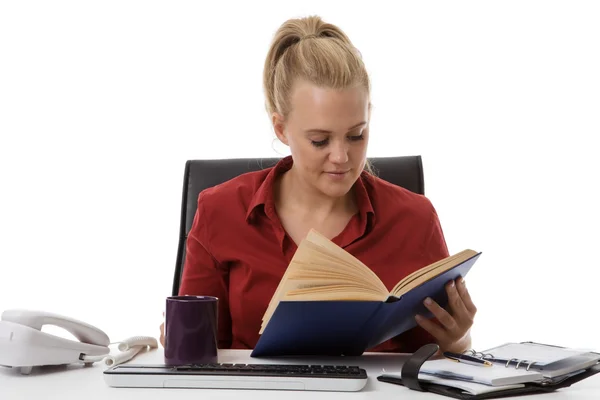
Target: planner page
pixel 541 354
pixel 495 375
pixel 467 387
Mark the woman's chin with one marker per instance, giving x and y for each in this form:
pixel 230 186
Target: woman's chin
pixel 335 188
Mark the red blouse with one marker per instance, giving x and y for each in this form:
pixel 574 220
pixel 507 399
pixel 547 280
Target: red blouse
pixel 237 249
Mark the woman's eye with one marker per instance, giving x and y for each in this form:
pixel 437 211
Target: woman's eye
pixel 319 143
pixel 356 137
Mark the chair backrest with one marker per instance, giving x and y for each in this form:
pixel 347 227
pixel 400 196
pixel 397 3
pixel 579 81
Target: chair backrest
pixel 405 171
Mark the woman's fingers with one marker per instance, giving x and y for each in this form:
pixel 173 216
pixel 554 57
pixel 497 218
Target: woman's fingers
pixel 447 321
pixel 433 328
pixel 458 308
pixel 466 297
pixel 455 321
pixel 162 332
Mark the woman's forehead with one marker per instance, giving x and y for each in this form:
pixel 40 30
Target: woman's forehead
pixel 312 101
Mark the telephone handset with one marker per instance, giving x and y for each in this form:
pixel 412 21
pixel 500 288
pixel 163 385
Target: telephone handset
pixel 84 332
pixel 23 344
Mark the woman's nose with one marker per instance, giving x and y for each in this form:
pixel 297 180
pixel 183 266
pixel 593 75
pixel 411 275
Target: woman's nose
pixel 339 153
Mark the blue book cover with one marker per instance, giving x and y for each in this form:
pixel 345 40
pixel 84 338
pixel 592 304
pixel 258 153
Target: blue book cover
pixel 350 327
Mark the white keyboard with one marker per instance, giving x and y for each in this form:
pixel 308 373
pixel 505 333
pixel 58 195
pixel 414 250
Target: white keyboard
pixel 239 376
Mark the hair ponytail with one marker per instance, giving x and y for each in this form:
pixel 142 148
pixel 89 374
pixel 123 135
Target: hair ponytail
pixel 313 50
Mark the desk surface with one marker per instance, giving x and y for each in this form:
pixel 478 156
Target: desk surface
pixel 79 382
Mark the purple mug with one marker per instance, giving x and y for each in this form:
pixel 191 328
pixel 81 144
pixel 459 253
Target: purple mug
pixel 191 330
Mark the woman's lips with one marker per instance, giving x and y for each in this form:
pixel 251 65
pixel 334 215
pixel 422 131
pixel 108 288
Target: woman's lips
pixel 337 175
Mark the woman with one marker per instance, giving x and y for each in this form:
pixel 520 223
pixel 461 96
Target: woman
pixel 246 230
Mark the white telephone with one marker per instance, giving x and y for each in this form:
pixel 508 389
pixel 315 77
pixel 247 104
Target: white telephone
pixel 23 344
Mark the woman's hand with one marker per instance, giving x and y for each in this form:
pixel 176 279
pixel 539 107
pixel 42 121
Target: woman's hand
pixel 162 333
pixel 452 329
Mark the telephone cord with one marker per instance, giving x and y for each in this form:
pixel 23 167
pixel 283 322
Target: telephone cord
pixel 128 348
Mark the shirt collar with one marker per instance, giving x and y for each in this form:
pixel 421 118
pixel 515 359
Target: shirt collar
pixel 363 200
pixel 264 195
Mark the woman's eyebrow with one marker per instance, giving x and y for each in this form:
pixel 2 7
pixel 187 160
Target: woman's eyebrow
pixel 326 131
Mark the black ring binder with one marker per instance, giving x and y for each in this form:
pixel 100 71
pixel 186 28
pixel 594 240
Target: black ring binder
pixel 410 373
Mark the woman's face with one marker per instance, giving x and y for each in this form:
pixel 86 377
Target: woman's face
pixel 327 131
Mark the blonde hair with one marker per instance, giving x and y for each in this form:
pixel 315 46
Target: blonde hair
pixel 315 51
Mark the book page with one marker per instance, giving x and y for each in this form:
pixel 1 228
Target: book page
pixel 341 255
pixel 318 252
pixel 424 274
pixel 333 272
pixel 307 286
pixel 331 293
pixel 315 257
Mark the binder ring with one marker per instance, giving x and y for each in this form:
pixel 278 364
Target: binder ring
pixel 483 356
pixel 508 362
pixel 478 354
pixel 519 363
pixel 529 365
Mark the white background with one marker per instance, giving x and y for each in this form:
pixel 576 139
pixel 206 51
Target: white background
pixel 101 104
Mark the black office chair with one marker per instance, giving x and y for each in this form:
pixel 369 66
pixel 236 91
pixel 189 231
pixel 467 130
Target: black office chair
pixel 405 171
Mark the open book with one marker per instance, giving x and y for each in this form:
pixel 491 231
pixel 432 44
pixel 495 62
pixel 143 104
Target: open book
pixel 329 302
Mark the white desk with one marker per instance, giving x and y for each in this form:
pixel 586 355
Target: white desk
pixel 78 382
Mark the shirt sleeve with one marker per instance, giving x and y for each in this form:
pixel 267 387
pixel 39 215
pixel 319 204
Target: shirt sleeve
pixel 434 249
pixel 203 275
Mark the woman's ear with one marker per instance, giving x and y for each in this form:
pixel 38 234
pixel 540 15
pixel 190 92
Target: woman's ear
pixel 279 127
